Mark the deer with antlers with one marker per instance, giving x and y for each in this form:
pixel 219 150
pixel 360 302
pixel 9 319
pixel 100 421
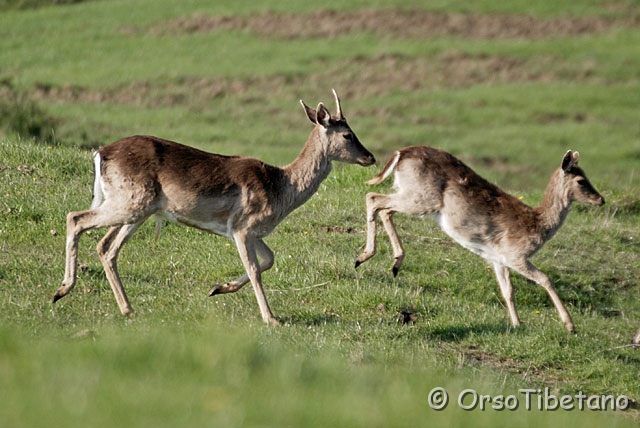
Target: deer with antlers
pixel 477 214
pixel 241 198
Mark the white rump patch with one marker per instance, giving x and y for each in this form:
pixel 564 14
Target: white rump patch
pixel 98 193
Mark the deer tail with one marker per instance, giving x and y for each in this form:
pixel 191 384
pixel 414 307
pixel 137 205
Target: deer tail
pixel 98 195
pixel 387 170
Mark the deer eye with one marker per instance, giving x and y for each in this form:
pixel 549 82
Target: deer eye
pixel 348 137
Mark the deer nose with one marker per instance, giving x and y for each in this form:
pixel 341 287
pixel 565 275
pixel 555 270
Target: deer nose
pixel 367 160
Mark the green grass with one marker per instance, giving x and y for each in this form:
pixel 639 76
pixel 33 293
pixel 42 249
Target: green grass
pixel 508 107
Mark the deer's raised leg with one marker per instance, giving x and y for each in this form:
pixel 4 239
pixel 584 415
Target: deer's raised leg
pixel 265 253
pixel 374 205
pixel 386 216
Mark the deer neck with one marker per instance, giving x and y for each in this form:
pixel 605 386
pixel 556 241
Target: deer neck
pixel 308 170
pixel 554 207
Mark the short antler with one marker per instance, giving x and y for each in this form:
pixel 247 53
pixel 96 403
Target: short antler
pixel 339 112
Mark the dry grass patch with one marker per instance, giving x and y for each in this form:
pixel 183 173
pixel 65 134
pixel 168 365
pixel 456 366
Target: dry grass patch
pixel 395 23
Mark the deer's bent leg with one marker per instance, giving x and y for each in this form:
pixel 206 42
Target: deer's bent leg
pixel 77 223
pixel 265 253
pixel 386 216
pixel 374 205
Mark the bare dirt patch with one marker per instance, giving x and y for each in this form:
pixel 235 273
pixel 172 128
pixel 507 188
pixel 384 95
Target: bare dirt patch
pixel 394 23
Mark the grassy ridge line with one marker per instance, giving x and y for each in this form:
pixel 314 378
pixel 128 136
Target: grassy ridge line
pixel 115 54
pixel 443 117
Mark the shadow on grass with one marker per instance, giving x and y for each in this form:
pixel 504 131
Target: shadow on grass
pixel 627 354
pixel 579 294
pixel 591 296
pixel 458 333
pixel 310 320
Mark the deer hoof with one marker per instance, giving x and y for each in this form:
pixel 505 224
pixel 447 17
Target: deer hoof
pixel 273 321
pixel 128 313
pixel 396 265
pixel 57 295
pixel 215 290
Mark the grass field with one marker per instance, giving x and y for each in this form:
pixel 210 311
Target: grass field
pixel 506 86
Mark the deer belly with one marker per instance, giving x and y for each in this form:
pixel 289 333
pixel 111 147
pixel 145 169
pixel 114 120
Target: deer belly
pixel 470 241
pixel 216 226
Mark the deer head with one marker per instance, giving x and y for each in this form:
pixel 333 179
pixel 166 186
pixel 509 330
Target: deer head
pixel 338 140
pixel 576 183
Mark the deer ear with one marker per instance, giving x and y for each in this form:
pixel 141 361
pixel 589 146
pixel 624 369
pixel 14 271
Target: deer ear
pixel 569 160
pixel 576 157
pixel 311 113
pixel 322 115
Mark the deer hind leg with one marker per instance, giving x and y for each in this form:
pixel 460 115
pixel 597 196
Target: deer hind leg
pixel 108 250
pixel 78 222
pixel 385 206
pixel 386 216
pixel 265 253
pixel 531 272
pixel 247 246
pixel 375 202
pixel 506 287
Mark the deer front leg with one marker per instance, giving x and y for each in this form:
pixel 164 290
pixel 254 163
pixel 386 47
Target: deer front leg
pixel 531 272
pixel 265 253
pixel 506 287
pixel 246 246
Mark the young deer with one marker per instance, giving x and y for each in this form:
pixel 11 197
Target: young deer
pixel 477 214
pixel 636 338
pixel 241 198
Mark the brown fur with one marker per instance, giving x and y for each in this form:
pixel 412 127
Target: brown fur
pixel 478 214
pixel 241 198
